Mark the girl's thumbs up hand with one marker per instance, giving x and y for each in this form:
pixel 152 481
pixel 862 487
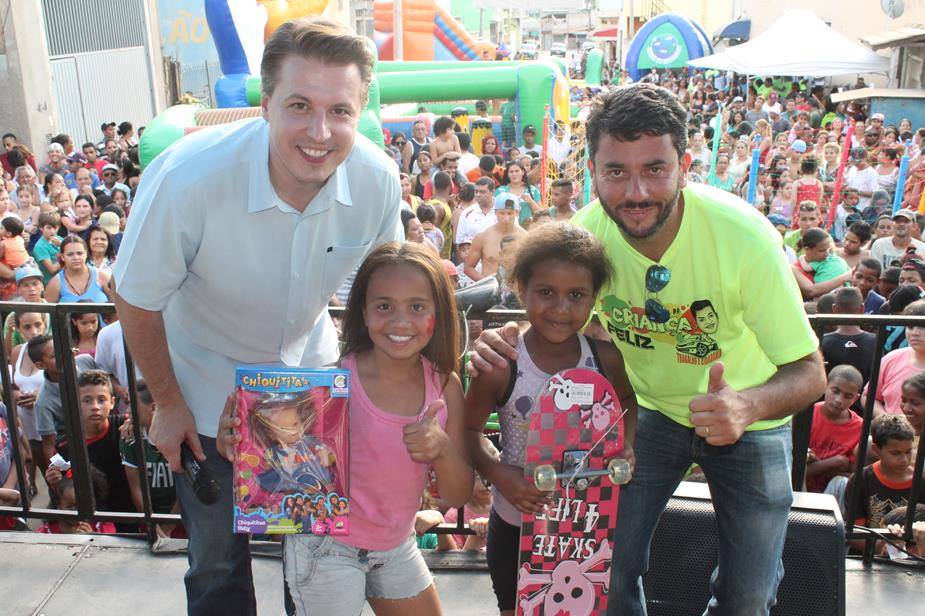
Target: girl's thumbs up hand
pixel 424 439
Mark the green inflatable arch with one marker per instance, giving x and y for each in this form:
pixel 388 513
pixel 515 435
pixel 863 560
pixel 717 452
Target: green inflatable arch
pixel 534 85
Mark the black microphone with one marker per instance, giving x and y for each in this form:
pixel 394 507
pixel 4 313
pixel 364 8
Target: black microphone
pixel 206 488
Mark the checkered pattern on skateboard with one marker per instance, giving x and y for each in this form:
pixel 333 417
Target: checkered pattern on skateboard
pixel 552 433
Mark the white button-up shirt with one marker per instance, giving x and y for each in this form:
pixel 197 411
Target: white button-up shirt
pixel 240 276
pixel 473 221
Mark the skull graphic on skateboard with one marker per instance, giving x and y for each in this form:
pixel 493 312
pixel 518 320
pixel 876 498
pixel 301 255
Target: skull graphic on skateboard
pixel 573 453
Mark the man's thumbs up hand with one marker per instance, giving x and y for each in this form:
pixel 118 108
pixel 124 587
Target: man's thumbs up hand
pixel 717 380
pixel 721 415
pixel 424 439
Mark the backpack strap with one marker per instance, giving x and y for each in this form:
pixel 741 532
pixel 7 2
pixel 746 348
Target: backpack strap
pixel 511 382
pixel 592 344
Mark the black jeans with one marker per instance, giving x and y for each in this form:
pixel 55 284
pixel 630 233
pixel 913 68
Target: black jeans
pixel 219 581
pixel 502 553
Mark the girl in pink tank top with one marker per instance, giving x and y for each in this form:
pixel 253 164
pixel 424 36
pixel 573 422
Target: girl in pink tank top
pixel 808 187
pixel 558 271
pixel 401 344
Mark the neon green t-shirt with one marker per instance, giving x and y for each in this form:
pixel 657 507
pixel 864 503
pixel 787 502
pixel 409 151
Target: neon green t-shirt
pixel 732 297
pixel 792 238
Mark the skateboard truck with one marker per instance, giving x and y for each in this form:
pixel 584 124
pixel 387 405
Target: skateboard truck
pixel 545 475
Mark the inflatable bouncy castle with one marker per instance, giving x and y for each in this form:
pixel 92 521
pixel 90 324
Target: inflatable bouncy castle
pixel 240 27
pixel 534 86
pixel 239 30
pixel 428 33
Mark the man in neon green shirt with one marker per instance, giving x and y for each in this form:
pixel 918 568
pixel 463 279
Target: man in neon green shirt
pixel 709 320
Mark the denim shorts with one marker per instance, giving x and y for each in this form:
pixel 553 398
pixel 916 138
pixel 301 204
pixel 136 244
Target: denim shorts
pixel 330 578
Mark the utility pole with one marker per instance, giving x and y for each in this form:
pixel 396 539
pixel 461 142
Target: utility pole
pixel 568 27
pixel 398 47
pixel 632 24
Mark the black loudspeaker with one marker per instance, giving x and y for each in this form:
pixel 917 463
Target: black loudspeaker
pixel 684 552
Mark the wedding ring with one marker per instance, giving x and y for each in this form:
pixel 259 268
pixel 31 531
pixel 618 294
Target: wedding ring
pixel 708 430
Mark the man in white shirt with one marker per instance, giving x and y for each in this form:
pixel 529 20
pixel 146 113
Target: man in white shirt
pixel 698 149
pixel 110 356
pixel 110 181
pixel 239 235
pixel 26 175
pixel 478 216
pixel 467 161
pixel 772 104
pixel 889 249
pixel 862 176
pixel 530 144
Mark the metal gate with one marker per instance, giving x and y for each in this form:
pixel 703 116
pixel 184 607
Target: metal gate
pixel 67 96
pixel 102 86
pixel 198 79
pixel 100 66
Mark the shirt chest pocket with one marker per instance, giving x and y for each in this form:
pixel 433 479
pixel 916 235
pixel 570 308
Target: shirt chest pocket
pixel 339 263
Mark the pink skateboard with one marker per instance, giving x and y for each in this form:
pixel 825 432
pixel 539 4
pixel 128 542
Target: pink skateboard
pixel 573 448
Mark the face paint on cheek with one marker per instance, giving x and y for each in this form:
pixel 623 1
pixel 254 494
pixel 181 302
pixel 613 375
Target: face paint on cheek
pixel 429 324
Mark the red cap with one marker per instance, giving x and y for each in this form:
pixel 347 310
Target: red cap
pixel 449 268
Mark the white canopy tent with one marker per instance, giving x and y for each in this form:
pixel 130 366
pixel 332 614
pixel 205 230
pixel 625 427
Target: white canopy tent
pixel 798 44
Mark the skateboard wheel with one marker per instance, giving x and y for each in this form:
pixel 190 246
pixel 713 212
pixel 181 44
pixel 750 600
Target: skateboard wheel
pixel 544 476
pixel 620 472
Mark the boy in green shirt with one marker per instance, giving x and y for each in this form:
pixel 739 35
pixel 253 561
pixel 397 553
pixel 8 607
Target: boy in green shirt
pixel 807 217
pixel 160 478
pixel 49 245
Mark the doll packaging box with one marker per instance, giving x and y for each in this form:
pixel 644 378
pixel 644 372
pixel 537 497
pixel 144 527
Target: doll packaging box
pixel 290 469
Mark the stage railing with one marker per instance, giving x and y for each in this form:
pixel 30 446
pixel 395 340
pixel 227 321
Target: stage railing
pixel 73 428
pixel 803 422
pixel 86 506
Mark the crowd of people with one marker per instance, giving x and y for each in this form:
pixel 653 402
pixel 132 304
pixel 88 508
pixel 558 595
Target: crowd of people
pixel 467 207
pixel 63 219
pixel 459 218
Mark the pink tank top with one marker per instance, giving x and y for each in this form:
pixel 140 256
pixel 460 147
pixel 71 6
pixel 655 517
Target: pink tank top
pixel 806 192
pixel 385 483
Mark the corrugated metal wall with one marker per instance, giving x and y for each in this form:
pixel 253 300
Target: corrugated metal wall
pixel 80 26
pixel 99 64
